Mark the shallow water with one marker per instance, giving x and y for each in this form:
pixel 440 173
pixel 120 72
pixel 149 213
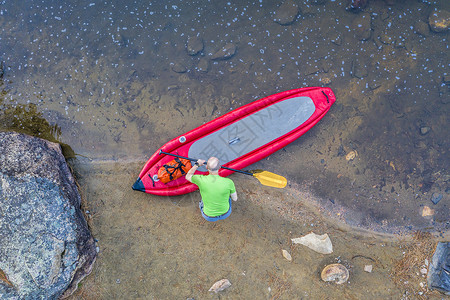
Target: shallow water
pixel 102 72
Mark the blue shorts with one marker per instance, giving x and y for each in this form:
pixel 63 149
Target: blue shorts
pixel 217 218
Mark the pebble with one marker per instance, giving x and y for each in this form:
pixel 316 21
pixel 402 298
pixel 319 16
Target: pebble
pixel 286 255
pixel 424 130
pixel 179 68
pixel 226 52
pixel 362 26
pixel 203 65
pixel 435 198
pixel 422 28
pixel 427 212
pixel 220 285
pixel 368 268
pixel 286 13
pixel 424 271
pixel 194 45
pixel 351 155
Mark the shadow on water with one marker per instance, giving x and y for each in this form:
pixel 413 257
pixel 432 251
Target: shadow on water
pixel 118 80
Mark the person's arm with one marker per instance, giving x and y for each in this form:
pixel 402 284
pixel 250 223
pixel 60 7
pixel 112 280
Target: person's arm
pixel 194 168
pixel 234 196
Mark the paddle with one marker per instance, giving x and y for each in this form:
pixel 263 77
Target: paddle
pixel 264 177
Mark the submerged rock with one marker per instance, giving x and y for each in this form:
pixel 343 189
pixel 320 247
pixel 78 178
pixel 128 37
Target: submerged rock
pixel 225 53
pixel 194 45
pixel 335 272
pixel 362 27
pixel 179 68
pixel 220 285
pixel 422 28
pixel 203 65
pixel 318 243
pixel 286 13
pixel 46 247
pixel 439 21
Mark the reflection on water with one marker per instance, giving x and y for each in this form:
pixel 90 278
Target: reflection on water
pixel 118 80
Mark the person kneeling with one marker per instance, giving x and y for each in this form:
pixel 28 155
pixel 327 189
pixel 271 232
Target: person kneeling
pixel 216 191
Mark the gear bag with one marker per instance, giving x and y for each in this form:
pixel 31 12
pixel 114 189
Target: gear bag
pixel 174 169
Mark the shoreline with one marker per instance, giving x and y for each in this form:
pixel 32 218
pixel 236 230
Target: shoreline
pixel 336 216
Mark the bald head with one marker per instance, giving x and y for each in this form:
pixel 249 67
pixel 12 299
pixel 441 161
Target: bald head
pixel 213 164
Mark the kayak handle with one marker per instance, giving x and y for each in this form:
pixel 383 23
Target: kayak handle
pixel 192 159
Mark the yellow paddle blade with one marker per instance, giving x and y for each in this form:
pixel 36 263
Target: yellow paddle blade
pixel 271 179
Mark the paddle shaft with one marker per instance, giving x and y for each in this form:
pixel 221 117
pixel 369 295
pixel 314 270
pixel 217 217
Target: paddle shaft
pixel 191 159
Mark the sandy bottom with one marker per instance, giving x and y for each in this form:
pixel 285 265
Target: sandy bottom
pixel 161 248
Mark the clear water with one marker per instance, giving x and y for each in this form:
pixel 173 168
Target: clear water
pixel 103 73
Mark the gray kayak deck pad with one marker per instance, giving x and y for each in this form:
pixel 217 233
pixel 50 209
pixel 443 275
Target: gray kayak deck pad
pixel 254 130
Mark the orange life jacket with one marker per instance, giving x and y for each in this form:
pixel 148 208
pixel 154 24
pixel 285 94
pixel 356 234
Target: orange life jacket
pixel 174 169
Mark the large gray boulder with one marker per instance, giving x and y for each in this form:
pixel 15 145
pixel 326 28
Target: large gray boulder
pixel 46 247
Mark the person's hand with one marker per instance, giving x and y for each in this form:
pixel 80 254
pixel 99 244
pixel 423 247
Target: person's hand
pixel 200 162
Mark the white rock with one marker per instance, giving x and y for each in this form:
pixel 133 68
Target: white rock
pixel 286 255
pixel 368 268
pixel 318 243
pixel 220 285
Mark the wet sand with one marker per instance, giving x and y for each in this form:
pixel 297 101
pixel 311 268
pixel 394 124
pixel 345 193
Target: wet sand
pixel 161 248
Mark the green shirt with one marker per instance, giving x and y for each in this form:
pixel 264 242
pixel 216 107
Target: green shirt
pixel 215 192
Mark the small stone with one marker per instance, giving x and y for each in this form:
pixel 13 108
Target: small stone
pixel 359 69
pixel 368 268
pixel 220 285
pixel 179 68
pixel 351 155
pixel 225 53
pixel 424 130
pixel 424 271
pixel 286 255
pixel 435 198
pixel 362 26
pixel 335 272
pixel 286 13
pixel 427 212
pixel 203 65
pixel 422 28
pixel 194 45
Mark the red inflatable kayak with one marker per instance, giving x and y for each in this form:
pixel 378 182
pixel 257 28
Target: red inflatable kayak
pixel 240 137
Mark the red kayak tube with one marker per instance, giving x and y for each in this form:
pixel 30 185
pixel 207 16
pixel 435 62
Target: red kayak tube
pixel 241 137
